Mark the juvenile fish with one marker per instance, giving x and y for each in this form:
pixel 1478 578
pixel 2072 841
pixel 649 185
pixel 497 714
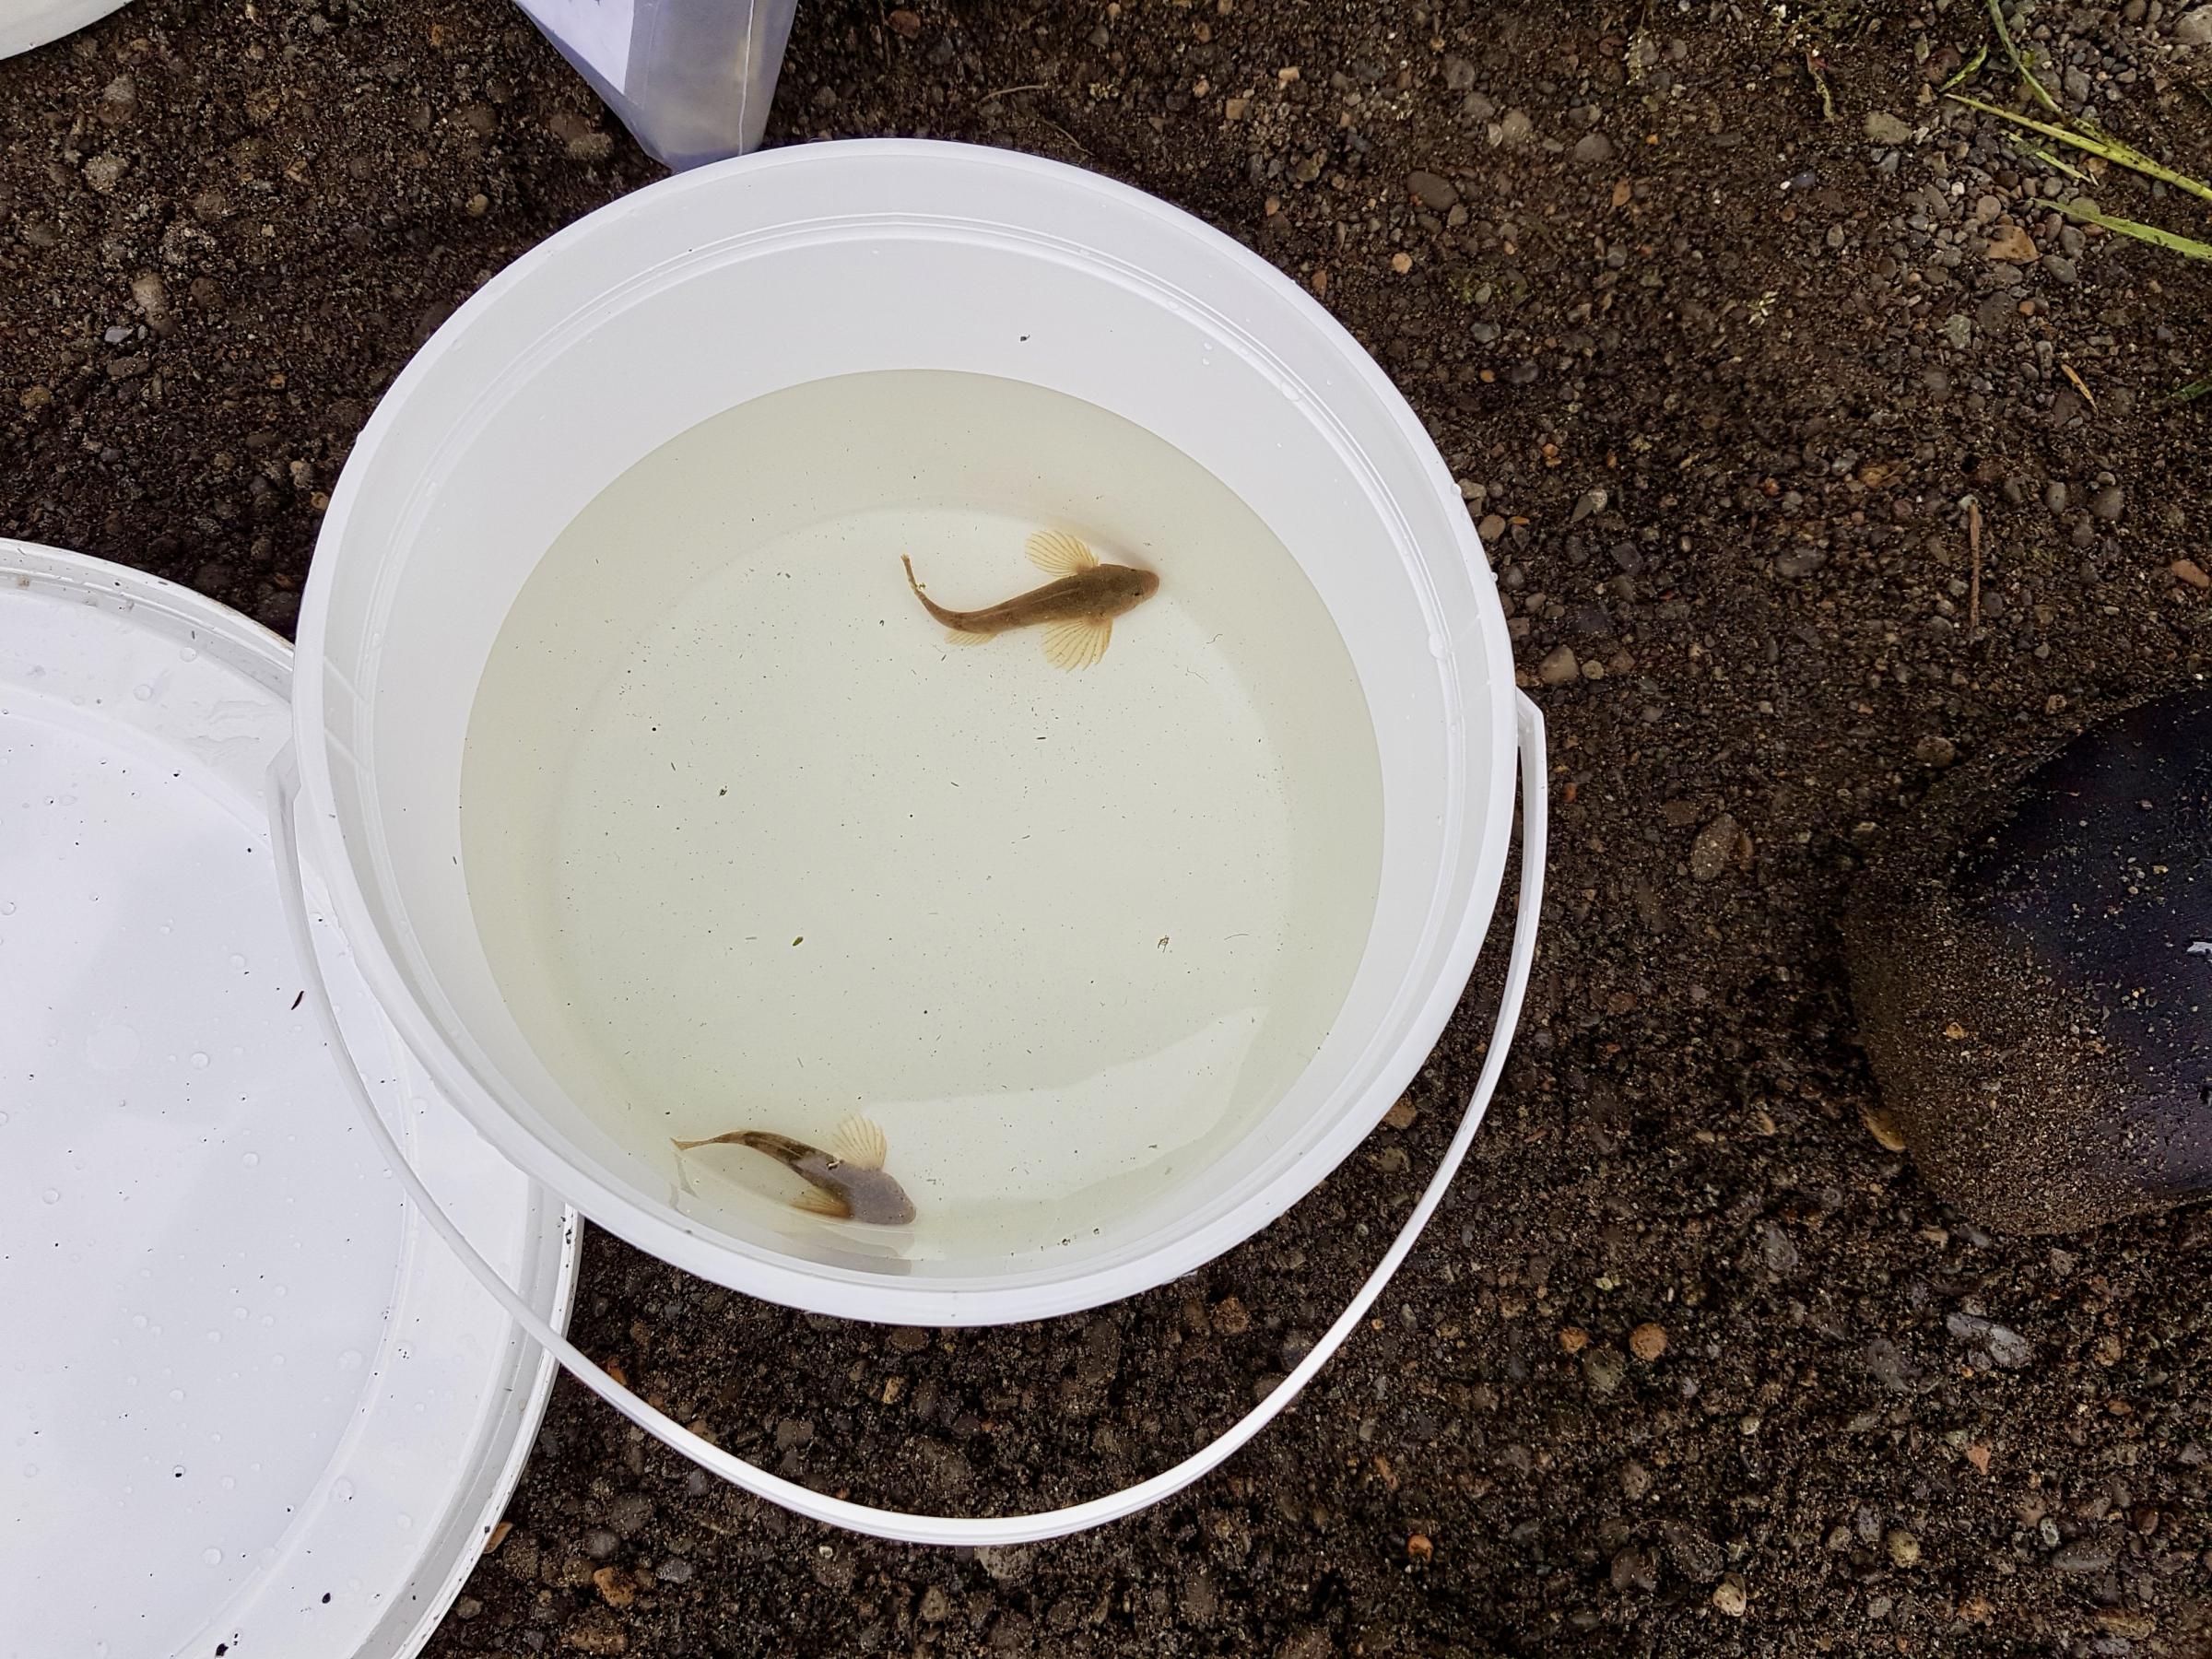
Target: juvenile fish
pixel 1076 611
pixel 848 1181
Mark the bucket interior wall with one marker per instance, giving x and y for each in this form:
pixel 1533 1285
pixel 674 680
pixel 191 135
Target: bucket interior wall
pixel 630 329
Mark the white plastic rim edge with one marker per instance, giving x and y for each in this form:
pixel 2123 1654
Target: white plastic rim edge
pixel 27 28
pixel 971 1532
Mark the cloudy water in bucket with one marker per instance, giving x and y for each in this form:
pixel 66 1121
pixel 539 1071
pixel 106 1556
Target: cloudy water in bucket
pixel 753 847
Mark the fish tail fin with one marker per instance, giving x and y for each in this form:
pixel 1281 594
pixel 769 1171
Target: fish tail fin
pixel 950 618
pixel 734 1136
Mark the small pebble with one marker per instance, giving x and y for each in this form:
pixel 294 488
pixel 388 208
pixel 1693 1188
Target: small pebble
pixel 1729 1598
pixel 1902 1547
pixel 1437 194
pixel 1560 668
pixel 2081 1558
pixel 1715 846
pixel 1647 1342
pixel 1603 1370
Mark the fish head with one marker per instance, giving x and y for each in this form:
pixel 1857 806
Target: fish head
pixel 1128 587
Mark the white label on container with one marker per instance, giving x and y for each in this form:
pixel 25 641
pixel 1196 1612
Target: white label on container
pixel 595 31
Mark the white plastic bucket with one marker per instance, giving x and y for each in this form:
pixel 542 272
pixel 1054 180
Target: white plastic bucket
pixel 678 303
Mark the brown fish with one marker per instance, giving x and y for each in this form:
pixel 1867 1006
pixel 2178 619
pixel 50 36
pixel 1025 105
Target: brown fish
pixel 1076 611
pixel 848 1181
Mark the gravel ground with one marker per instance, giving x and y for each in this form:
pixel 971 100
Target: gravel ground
pixel 1690 1363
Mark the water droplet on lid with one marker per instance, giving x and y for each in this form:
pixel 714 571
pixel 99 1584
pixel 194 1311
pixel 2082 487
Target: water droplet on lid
pixel 8 907
pixel 31 1471
pixel 237 960
pixel 250 1159
pixel 350 1359
pixel 342 1489
pixel 52 1195
pixel 190 654
pixel 229 1482
pixel 176 1394
pixel 143 693
pixel 199 1063
pixel 212 1555
pixel 138 1320
pixel 3 1117
pixel 99 1650
pixel 406 1523
pixel 237 1313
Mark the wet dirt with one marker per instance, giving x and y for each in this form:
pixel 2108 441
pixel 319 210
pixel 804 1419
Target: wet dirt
pixel 1689 1364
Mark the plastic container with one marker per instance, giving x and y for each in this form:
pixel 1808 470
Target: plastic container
pixel 616 335
pixel 692 79
pixel 247 1408
pixel 26 24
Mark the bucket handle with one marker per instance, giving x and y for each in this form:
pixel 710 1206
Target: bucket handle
pixel 977 1531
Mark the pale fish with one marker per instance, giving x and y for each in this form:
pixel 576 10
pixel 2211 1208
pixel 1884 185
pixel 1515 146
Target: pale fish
pixel 1076 610
pixel 847 1182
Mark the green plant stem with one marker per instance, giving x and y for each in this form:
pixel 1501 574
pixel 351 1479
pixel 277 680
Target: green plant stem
pixel 2187 246
pixel 2043 93
pixel 2112 149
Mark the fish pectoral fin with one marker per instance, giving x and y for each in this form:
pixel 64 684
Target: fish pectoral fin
pixel 1079 643
pixel 1061 554
pixel 859 1142
pixel 964 636
pixel 816 1202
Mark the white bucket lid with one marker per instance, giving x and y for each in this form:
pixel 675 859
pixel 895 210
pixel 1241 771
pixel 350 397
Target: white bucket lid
pixel 243 1406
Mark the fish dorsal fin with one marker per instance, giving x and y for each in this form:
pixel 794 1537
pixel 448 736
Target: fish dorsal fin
pixel 1078 643
pixel 859 1142
pixel 1060 554
pixel 816 1202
